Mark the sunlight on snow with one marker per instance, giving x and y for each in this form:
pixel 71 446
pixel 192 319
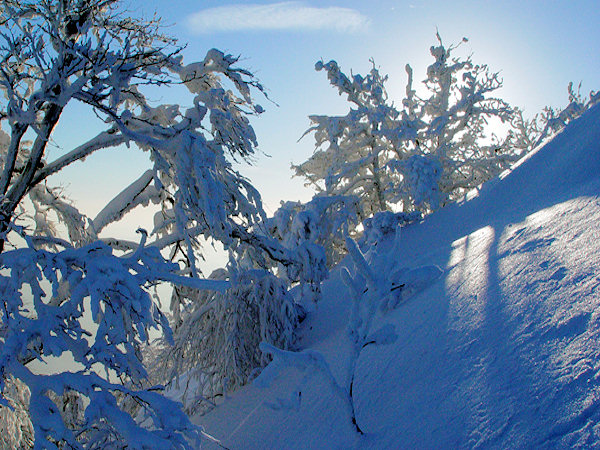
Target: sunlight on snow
pixel 467 280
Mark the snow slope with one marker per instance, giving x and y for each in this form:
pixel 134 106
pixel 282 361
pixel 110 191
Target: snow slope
pixel 502 351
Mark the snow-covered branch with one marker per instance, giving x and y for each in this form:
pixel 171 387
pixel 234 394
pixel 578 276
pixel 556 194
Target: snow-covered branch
pixel 90 298
pixel 106 139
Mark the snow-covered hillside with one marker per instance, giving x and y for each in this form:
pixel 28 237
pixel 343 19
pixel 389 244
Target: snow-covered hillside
pixel 503 350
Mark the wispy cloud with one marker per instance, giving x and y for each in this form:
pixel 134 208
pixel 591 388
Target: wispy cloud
pixel 276 16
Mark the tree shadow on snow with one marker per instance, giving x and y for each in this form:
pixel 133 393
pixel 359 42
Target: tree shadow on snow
pixel 473 362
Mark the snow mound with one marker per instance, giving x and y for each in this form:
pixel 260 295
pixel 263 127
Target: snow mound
pixel 501 350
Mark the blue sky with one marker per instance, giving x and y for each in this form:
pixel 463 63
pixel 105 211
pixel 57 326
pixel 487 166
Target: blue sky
pixel 538 46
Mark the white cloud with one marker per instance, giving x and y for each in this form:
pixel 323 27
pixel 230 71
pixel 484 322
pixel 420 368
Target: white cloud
pixel 276 16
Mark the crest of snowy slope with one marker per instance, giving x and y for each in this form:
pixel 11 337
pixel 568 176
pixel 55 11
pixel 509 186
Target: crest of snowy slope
pixel 502 350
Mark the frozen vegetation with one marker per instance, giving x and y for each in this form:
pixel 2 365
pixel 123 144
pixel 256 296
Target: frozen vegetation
pixel 369 316
pixel 498 350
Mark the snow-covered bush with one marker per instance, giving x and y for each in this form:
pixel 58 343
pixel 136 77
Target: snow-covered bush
pixel 216 342
pixel 373 290
pixel 271 274
pixel 385 224
pixel 217 333
pixel 526 134
pixel 321 220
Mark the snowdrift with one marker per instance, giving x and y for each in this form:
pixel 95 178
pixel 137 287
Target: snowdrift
pixel 503 350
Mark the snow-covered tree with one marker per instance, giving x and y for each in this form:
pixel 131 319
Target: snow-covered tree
pixel 418 157
pixel 458 111
pixel 81 294
pixel 217 334
pixel 353 150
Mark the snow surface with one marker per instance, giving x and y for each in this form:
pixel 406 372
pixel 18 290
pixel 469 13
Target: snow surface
pixel 502 350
